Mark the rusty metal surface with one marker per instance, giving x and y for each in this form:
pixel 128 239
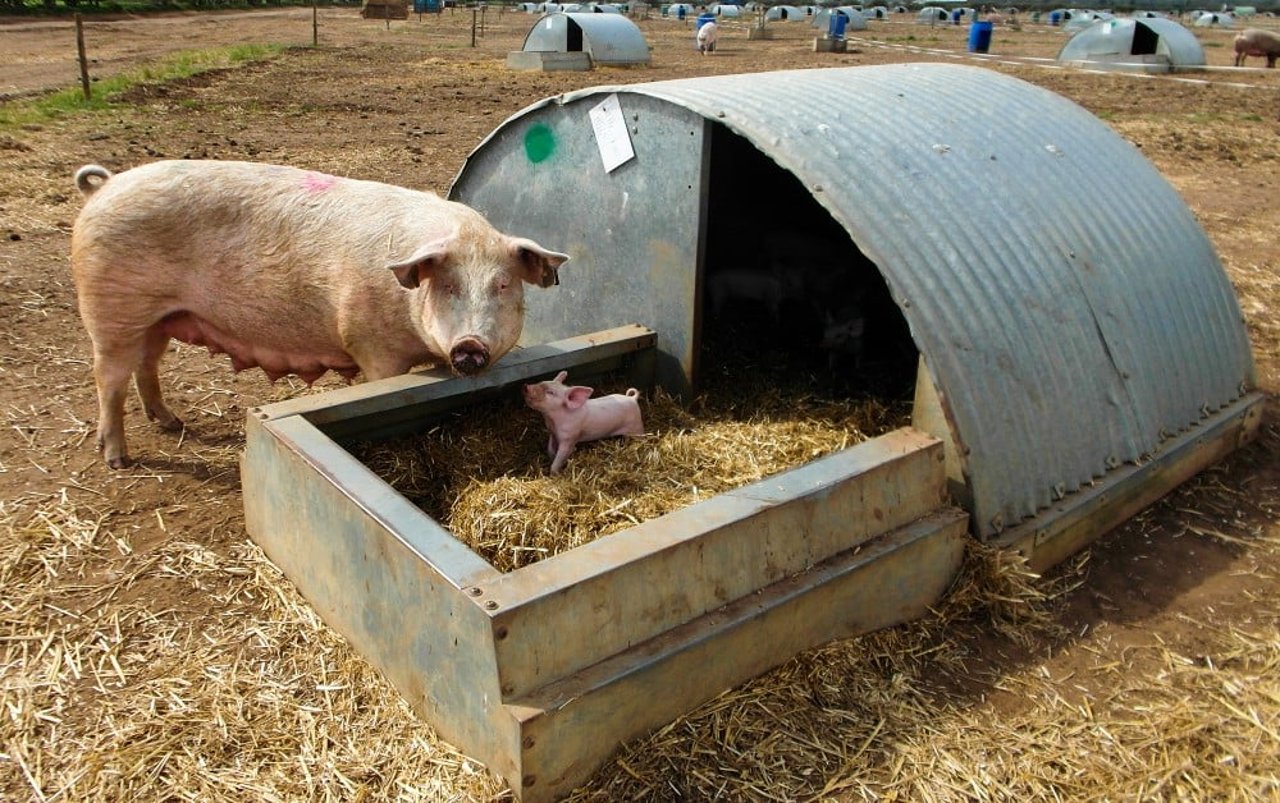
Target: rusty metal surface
pixel 894 579
pixel 610 39
pixel 519 670
pixel 380 572
pixel 1072 310
pixel 1080 519
pixel 634 585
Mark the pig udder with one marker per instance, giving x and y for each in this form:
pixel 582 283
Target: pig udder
pixel 190 328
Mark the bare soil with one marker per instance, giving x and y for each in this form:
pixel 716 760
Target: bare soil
pixel 405 102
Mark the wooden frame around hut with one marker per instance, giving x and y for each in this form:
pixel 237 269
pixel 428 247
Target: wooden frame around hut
pixel 542 672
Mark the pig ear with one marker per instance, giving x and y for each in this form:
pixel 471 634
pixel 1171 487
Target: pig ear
pixel 536 264
pixel 578 395
pixel 562 376
pixel 422 262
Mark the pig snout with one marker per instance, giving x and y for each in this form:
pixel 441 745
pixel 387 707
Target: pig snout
pixel 469 356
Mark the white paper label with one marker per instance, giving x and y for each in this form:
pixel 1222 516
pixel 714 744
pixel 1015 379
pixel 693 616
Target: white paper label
pixel 611 133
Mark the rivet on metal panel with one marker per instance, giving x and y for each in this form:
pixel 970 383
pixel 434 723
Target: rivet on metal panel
pixel 529 780
pixel 1242 388
pixel 1124 374
pixel 500 633
pixel 1059 490
pixel 1112 462
pixel 508 690
pixel 528 742
pixel 1204 410
pixel 997 522
pixel 491 605
pixel 1164 434
pixel 474 591
pixel 817 188
pixel 1041 537
pixel 720 114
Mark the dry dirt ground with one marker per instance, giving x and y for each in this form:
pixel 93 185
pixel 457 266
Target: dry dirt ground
pixel 153 561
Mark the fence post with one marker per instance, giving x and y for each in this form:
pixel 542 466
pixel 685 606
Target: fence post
pixel 84 61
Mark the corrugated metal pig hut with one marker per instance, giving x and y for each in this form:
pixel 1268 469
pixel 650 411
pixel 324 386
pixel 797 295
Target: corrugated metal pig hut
pixel 1067 334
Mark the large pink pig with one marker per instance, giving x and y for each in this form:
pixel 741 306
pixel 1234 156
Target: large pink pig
pixel 1257 42
pixel 289 270
pixel 572 416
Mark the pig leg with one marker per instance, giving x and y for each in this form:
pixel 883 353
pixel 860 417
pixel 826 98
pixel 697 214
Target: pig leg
pixel 551 445
pixel 148 378
pixel 563 450
pixel 112 372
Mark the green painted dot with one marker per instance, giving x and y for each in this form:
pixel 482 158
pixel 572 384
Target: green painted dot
pixel 539 143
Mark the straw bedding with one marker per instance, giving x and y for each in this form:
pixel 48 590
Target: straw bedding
pixel 484 474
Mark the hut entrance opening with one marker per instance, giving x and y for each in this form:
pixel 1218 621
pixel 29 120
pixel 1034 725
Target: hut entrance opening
pixel 787 295
pixel 1144 40
pixel 573 38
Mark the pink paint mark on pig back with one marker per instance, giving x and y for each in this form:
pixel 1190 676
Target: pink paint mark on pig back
pixel 318 182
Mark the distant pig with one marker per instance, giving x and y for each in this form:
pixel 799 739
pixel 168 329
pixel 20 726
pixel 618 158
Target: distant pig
pixel 842 334
pixel 289 270
pixel 572 416
pixel 706 37
pixel 766 289
pixel 1256 42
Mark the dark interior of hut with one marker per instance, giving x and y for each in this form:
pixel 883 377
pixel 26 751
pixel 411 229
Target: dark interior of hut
pixel 787 296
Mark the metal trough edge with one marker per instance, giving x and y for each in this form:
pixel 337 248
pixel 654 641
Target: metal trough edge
pixel 1084 517
pixel 570 727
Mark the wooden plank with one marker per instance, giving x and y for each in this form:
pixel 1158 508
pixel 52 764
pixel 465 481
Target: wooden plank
pixel 1085 516
pixel 572 610
pixel 569 728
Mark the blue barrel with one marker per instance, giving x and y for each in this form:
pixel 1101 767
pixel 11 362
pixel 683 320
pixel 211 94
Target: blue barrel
pixel 680 13
pixel 835 25
pixel 1055 18
pixel 703 19
pixel 979 37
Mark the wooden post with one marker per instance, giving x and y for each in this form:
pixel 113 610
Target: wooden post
pixel 315 24
pixel 473 26
pixel 84 61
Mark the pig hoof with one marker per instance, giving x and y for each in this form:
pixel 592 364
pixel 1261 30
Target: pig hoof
pixel 119 462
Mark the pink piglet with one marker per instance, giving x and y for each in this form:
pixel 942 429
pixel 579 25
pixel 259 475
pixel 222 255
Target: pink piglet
pixel 572 416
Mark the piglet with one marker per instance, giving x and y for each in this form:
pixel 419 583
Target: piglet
pixel 572 416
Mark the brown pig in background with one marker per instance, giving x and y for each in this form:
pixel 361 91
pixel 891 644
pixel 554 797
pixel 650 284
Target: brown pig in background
pixel 289 270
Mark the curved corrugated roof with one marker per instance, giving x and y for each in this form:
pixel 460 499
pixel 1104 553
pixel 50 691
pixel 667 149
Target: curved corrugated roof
pixel 1072 310
pixel 1114 39
pixel 608 38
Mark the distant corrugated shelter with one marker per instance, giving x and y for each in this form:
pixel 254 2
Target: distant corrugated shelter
pixel 1153 44
pixel 785 13
pixel 608 38
pixel 933 15
pixel 854 19
pixel 1069 313
pixel 1211 19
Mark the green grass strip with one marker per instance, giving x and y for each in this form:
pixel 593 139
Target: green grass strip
pixel 103 92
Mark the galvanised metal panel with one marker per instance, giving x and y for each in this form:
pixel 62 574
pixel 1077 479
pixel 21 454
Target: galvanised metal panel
pixel 609 38
pixel 1069 305
pixel 633 233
